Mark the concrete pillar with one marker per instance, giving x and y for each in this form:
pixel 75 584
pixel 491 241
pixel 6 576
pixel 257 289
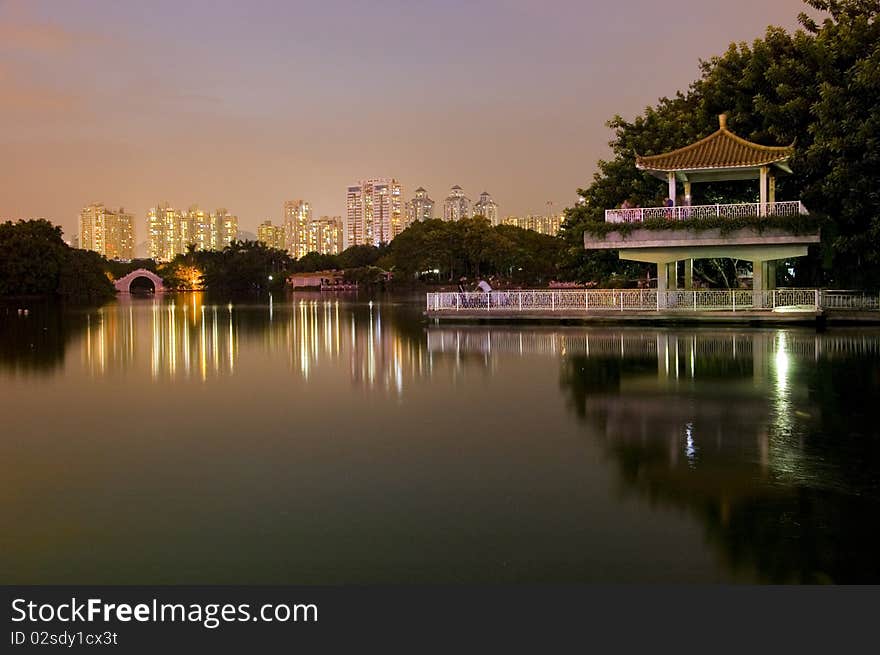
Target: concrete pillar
pixel 770 279
pixel 688 274
pixel 662 280
pixel 757 284
pixel 672 192
pixel 763 190
pixel 687 193
pixel 771 191
pixel 672 275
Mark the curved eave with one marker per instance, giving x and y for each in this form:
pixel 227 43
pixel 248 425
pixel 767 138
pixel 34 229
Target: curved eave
pixel 718 173
pixel 721 155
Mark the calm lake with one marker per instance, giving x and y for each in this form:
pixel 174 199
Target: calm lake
pixel 325 439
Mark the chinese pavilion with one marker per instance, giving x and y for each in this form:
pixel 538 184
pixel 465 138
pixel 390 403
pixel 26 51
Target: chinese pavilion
pixel 721 156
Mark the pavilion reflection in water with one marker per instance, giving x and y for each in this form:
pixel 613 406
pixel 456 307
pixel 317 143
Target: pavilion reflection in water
pixel 748 431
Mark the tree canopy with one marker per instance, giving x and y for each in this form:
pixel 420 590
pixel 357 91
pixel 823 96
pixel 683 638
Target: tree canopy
pixel 35 261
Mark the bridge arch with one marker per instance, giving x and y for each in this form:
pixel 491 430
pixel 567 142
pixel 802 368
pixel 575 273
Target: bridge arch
pixel 123 284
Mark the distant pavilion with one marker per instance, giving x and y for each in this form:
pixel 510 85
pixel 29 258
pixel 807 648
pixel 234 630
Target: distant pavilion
pixel 721 156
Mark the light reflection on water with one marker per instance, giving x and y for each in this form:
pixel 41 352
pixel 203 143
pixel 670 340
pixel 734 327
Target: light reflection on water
pixel 364 445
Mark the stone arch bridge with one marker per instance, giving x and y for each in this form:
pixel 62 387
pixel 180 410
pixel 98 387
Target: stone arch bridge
pixel 123 284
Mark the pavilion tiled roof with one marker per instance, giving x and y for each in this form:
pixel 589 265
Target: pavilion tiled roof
pixel 722 149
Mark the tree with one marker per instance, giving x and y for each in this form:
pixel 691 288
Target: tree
pixel 34 260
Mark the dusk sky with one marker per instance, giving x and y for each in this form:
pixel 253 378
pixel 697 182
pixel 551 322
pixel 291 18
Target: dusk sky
pixel 246 104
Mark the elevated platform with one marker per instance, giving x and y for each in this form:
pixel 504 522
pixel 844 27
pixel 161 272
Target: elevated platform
pixel 671 245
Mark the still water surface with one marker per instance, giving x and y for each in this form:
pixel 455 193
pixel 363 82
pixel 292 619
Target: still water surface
pixel 329 440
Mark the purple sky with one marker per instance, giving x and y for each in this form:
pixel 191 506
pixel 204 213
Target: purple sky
pixel 247 104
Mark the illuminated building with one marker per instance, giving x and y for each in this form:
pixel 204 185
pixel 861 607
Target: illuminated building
pixel 325 235
pixel 197 229
pixel 420 208
pixel 541 224
pixel 297 216
pixel 271 235
pixel 487 208
pixel 226 228
pixel 374 211
pixel 457 205
pixel 163 231
pixel 171 232
pixel 106 231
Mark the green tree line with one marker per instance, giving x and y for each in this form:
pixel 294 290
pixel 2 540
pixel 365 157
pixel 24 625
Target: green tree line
pixel 35 261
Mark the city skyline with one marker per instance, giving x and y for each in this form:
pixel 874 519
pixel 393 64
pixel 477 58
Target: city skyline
pixel 87 116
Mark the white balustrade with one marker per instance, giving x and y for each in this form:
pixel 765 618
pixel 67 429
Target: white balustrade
pixel 684 213
pixel 650 300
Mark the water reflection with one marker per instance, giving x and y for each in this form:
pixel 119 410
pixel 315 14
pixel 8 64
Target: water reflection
pixel 737 429
pixel 184 337
pixel 34 336
pixel 351 437
pixel 766 436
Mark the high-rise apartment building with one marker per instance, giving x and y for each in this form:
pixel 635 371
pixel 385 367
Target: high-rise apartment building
pixel 271 235
pixel 326 235
pixel 487 208
pixel 196 229
pixel 163 232
pixel 171 232
pixel 457 205
pixel 541 224
pixel 420 208
pixel 297 216
pixel 374 211
pixel 225 227
pixel 107 231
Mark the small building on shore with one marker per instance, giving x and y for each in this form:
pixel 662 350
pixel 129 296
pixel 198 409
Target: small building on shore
pixel 318 280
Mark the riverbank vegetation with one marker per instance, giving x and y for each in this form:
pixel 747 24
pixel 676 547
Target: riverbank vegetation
pixel 35 261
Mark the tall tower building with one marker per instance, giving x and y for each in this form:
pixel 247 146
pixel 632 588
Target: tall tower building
pixel 374 211
pixel 326 235
pixel 196 229
pixel 224 228
pixel 163 232
pixel 457 205
pixel 487 208
pixel 297 216
pixel 106 231
pixel 271 235
pixel 420 208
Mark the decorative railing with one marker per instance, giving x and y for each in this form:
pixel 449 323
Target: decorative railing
pixel 683 213
pixel 850 301
pixel 646 300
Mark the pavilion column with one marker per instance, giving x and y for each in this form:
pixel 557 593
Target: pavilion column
pixel 662 280
pixel 770 279
pixel 687 192
pixel 762 210
pixel 672 275
pixel 757 284
pixel 671 179
pixel 688 274
pixel 771 190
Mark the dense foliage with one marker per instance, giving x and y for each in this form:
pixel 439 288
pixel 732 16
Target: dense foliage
pixel 35 261
pixel 243 266
pixel 473 248
pixel 818 88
